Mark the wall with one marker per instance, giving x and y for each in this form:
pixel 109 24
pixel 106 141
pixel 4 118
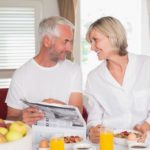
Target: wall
pixel 50 8
pixel 47 7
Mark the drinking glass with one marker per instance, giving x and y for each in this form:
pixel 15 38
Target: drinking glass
pixel 106 139
pixel 57 142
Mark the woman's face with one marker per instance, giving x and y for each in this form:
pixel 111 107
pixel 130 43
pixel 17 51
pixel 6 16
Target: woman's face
pixel 101 45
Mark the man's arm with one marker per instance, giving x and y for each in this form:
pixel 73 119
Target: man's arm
pixel 14 114
pixel 76 99
pixel 28 115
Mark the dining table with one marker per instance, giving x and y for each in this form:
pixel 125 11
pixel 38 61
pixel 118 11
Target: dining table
pixel 116 147
pixel 96 146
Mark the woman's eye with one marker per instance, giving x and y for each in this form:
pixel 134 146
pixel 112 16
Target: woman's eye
pixel 95 39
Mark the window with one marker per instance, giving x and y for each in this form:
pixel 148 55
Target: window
pixel 18 31
pixel 17 36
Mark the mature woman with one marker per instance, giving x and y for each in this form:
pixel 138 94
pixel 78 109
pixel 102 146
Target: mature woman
pixel 118 89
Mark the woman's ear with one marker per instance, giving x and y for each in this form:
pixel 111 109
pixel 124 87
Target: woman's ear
pixel 47 41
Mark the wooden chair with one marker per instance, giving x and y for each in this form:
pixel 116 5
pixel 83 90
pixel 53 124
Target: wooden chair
pixel 3 105
pixel 84 114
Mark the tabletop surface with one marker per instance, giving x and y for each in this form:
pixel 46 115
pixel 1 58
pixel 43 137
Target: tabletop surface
pixel 96 146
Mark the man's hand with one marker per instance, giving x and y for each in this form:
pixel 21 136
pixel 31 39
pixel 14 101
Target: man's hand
pixel 94 133
pixel 143 128
pixel 31 115
pixel 50 100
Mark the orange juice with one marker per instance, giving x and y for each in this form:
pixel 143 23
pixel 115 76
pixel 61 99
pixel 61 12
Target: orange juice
pixel 106 140
pixel 57 143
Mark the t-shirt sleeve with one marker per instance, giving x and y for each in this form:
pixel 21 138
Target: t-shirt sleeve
pixel 15 93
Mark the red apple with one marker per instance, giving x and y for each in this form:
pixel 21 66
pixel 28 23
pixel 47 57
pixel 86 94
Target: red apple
pixel 2 123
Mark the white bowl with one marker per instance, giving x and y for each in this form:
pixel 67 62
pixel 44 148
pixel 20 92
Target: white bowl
pixel 138 146
pixel 24 143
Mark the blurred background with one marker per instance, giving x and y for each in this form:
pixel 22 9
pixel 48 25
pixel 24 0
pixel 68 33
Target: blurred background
pixel 19 21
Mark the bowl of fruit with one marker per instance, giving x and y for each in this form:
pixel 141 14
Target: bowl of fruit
pixel 15 135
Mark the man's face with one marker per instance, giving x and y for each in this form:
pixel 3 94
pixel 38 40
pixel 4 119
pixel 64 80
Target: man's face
pixel 61 45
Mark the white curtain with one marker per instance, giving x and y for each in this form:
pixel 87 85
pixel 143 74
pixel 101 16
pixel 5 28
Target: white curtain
pixel 145 28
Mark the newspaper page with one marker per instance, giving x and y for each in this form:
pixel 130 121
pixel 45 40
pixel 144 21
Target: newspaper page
pixel 57 115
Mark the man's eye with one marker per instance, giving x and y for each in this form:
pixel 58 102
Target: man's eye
pixel 66 41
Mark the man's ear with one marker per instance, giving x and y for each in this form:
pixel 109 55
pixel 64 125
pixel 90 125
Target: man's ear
pixel 47 41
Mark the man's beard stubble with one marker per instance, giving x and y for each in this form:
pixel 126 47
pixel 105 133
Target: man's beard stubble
pixel 55 56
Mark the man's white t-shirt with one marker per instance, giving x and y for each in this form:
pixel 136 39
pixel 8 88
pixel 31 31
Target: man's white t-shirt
pixel 36 83
pixel 115 105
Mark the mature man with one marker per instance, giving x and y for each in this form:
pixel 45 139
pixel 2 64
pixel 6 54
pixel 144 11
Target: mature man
pixel 48 76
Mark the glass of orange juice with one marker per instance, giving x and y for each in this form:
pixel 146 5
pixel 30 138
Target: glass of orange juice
pixel 106 139
pixel 57 142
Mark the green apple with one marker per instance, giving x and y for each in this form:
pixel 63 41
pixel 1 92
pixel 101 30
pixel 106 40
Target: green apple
pixel 19 126
pixel 13 135
pixel 3 130
pixel 2 139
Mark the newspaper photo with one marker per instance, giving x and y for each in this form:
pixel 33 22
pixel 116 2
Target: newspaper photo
pixel 57 115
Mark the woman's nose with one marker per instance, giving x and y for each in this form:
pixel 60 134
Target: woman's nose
pixel 93 47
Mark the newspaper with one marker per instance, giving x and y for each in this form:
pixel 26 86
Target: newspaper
pixel 64 119
pixel 57 115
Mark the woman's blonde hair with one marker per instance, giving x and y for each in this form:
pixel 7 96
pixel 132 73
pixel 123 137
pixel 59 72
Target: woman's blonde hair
pixel 115 31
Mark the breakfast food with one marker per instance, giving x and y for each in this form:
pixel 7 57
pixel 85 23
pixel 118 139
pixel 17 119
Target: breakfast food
pixel 72 139
pixel 128 135
pixel 44 143
pixel 132 137
pixel 123 134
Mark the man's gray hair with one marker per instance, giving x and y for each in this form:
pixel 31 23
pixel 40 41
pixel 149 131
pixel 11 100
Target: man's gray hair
pixel 49 25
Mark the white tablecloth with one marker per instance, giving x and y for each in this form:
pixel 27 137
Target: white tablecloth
pixel 96 146
pixel 116 147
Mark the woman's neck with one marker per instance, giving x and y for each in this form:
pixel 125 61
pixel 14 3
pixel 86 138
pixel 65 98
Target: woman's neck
pixel 117 62
pixel 117 67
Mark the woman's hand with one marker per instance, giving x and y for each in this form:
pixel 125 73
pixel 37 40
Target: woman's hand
pixel 94 134
pixel 31 115
pixel 142 128
pixel 50 100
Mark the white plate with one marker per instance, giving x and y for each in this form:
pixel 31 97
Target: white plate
pixel 139 146
pixel 83 146
pixel 69 146
pixel 123 141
